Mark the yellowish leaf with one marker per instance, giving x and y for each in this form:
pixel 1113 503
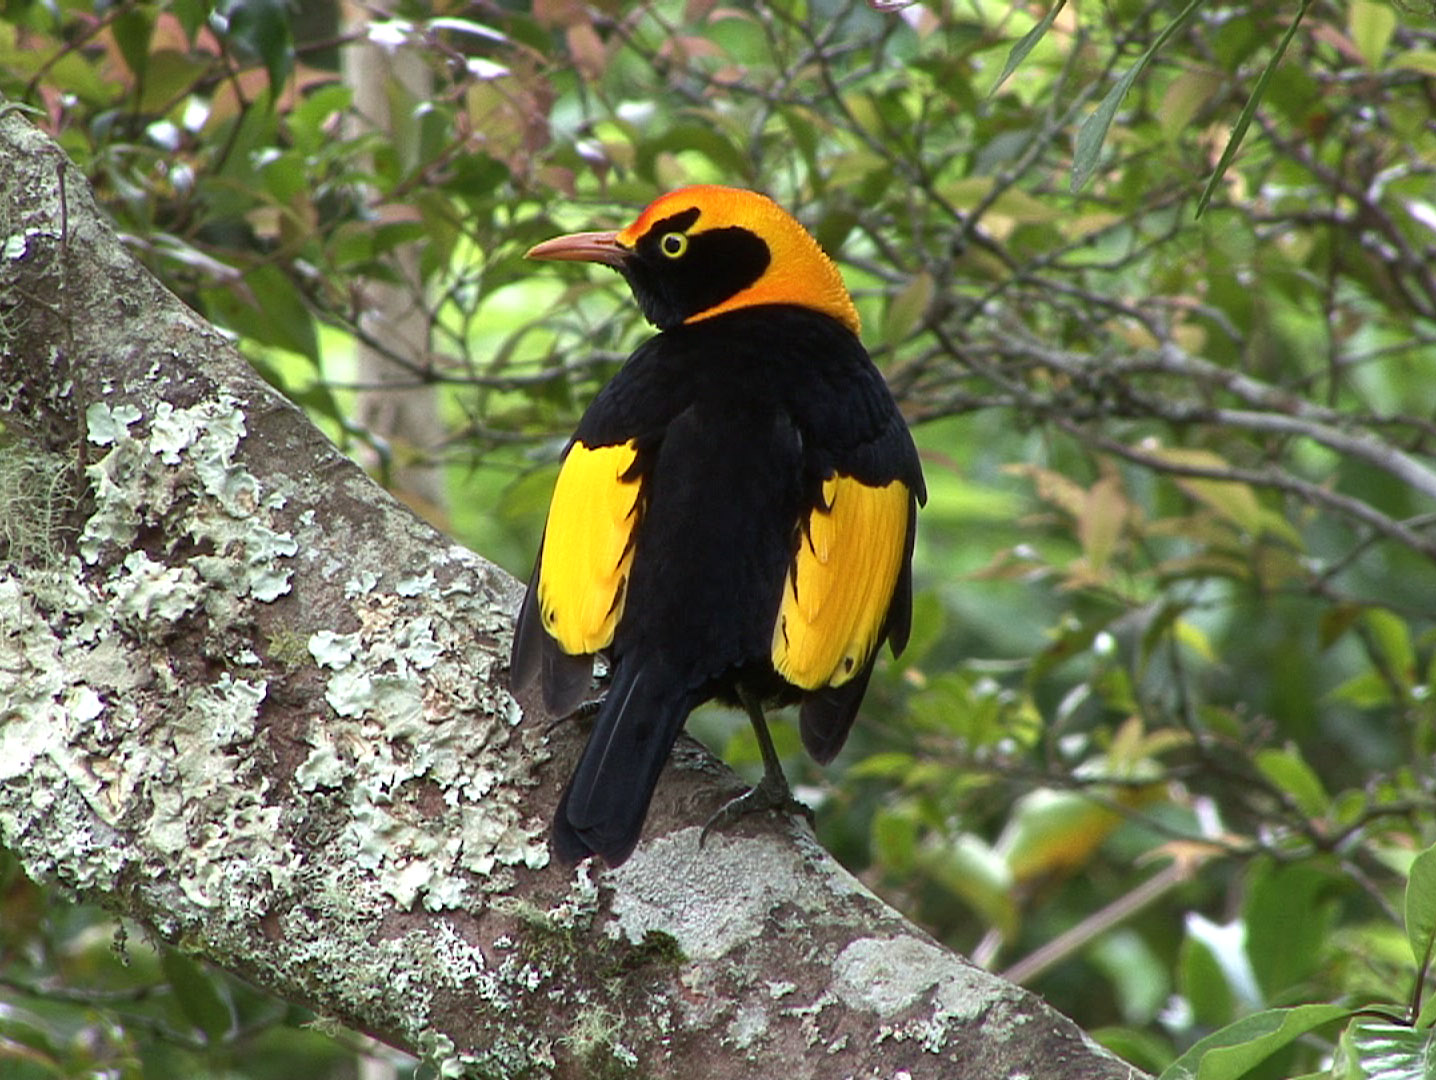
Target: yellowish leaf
pixel 1371 24
pixel 1102 519
pixel 907 308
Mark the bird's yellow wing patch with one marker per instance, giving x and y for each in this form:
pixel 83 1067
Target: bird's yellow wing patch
pixel 841 583
pixel 588 546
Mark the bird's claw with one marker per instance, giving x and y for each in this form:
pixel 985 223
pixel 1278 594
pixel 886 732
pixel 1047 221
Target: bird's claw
pixel 770 793
pixel 586 710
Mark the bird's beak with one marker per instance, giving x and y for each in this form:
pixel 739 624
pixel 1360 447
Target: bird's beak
pixel 599 247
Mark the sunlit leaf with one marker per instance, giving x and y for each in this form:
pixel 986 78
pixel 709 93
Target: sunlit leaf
pixel 1011 201
pixel 1420 910
pixel 1387 1051
pixel 1139 976
pixel 1196 639
pixel 1235 501
pixel 1185 96
pixel 891 765
pixel 1371 24
pixel 1053 833
pixel 1240 1047
pixel 1392 638
pixel 1100 523
pixel 1422 60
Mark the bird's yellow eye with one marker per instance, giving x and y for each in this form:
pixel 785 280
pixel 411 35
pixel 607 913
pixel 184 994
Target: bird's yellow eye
pixel 673 244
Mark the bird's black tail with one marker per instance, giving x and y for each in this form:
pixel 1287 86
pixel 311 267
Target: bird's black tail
pixel 602 811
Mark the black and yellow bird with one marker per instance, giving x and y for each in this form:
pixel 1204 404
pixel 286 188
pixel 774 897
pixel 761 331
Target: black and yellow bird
pixel 733 518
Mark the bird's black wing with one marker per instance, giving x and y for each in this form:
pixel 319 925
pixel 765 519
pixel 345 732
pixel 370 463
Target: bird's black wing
pixel 849 585
pixel 576 595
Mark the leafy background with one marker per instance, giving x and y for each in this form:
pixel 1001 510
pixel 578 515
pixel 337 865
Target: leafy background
pixel 1162 744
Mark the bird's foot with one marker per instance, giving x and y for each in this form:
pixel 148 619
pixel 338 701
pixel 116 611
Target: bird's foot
pixel 770 793
pixel 585 711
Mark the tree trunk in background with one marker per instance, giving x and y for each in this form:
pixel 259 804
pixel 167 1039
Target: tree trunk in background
pixel 397 408
pixel 252 702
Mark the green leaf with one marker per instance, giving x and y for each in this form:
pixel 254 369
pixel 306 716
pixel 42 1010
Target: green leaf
pixel 889 765
pixel 27 1036
pixel 132 30
pixel 1139 1046
pixel 1101 521
pixel 1138 976
pixel 1238 1048
pixel 1239 129
pixel 1371 24
pixel 261 28
pixel 1024 44
pixel 270 309
pixel 969 192
pixel 1289 772
pixel 895 837
pixel 929 621
pixel 1422 60
pixel 192 16
pixel 1421 906
pixel 1393 640
pixel 169 75
pixel 1386 1051
pixel 310 119
pixel 1365 690
pixel 705 138
pixel 1203 981
pixel 1289 911
pixel 973 872
pixel 1427 1017
pixel 196 993
pixel 1094 129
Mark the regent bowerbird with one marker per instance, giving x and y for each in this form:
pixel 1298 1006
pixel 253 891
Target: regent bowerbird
pixel 733 517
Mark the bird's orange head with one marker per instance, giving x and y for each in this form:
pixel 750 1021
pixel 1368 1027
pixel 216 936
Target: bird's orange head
pixel 701 251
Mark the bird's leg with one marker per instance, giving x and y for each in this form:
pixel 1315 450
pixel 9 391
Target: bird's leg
pixel 586 710
pixel 770 793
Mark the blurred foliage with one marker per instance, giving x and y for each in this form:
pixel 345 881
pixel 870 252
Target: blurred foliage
pixel 1162 743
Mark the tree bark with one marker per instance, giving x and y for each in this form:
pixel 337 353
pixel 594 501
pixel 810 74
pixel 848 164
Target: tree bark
pixel 251 701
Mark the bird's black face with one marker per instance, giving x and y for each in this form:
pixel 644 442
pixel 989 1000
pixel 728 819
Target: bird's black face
pixel 675 274
pixel 704 250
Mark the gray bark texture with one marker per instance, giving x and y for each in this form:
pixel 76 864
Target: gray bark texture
pixel 252 702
